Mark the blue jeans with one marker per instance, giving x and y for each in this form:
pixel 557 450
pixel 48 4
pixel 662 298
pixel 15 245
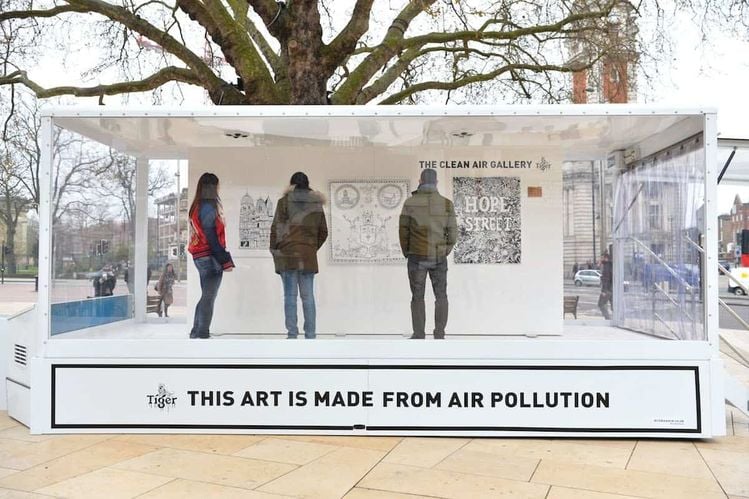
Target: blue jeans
pixel 302 283
pixel 210 273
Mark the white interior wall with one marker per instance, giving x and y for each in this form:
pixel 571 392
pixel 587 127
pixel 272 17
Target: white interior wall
pixel 523 298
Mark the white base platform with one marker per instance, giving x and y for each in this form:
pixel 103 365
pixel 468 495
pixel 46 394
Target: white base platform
pixel 175 329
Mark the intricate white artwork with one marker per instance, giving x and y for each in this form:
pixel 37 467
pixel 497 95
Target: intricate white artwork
pixel 488 213
pixel 364 220
pixel 255 219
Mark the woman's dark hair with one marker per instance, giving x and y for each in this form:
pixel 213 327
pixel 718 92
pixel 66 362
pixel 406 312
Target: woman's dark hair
pixel 207 190
pixel 300 181
pixel 166 268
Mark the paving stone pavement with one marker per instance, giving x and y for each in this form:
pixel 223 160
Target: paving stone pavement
pixel 259 466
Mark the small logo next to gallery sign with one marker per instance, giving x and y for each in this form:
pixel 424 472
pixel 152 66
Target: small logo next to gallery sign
pixel 543 165
pixel 163 399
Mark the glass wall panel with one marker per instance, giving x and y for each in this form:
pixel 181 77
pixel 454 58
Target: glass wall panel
pixel 658 224
pixel 93 233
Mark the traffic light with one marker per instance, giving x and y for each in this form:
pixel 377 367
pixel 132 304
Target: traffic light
pixel 6 250
pixel 104 246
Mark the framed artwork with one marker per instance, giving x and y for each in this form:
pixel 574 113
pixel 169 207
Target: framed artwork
pixel 256 210
pixel 488 213
pixel 364 218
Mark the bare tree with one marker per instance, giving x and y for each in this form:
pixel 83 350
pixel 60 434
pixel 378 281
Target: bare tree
pixel 14 202
pixel 75 164
pixel 312 51
pixel 116 183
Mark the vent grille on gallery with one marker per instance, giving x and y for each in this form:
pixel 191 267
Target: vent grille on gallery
pixel 19 354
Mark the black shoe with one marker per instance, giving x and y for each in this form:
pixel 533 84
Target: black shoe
pixel 414 337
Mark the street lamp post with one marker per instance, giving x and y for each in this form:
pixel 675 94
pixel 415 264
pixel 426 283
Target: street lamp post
pixel 593 206
pixel 158 233
pixel 176 218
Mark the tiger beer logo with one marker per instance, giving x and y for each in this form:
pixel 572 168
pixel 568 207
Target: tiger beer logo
pixel 163 399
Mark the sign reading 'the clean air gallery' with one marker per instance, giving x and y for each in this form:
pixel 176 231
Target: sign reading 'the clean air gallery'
pixel 476 399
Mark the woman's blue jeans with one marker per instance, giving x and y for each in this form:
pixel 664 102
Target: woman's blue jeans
pixel 210 272
pixel 297 282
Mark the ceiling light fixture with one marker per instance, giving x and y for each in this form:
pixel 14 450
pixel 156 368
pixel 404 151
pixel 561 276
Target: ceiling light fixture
pixel 462 134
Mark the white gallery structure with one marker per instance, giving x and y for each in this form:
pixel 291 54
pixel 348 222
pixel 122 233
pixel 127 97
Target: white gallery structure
pixel 511 363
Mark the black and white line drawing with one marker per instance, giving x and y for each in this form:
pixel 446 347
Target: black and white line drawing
pixel 488 213
pixel 364 220
pixel 255 219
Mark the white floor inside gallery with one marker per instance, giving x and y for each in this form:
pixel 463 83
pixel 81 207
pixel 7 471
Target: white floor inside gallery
pixel 173 329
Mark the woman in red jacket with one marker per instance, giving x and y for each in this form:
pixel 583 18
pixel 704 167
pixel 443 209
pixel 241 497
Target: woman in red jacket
pixel 208 249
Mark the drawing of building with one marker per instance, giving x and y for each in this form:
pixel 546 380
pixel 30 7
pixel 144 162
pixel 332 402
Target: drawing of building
pixel 255 219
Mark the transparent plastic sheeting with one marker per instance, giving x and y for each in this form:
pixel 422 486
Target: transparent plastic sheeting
pixel 658 224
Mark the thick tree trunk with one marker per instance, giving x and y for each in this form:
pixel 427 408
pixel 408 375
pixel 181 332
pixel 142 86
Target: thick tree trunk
pixel 10 257
pixel 303 44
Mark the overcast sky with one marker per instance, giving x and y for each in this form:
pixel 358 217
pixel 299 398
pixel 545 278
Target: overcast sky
pixel 716 75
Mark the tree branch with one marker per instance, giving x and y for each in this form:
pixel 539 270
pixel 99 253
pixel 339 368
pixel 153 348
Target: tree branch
pixel 217 88
pixel 31 14
pixel 348 92
pixel 470 35
pixel 271 14
pixel 380 85
pixel 152 82
pixel 241 53
pixel 345 43
pixel 469 80
pixel 262 44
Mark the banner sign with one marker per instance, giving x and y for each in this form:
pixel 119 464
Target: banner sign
pixel 377 398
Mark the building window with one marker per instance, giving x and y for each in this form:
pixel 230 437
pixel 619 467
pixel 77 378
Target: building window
pixel 654 216
pixel 568 208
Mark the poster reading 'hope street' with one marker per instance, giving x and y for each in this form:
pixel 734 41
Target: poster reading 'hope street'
pixel 488 212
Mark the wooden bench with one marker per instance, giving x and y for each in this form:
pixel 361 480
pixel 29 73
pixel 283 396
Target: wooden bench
pixel 152 304
pixel 570 305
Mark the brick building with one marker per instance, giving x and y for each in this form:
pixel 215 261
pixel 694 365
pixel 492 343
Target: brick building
pixel 612 78
pixel 729 225
pixel 168 224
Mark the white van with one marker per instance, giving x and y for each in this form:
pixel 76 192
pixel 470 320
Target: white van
pixel 741 274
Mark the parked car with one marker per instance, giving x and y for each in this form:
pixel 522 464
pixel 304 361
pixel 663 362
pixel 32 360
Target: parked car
pixel 588 278
pixel 657 273
pixel 742 275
